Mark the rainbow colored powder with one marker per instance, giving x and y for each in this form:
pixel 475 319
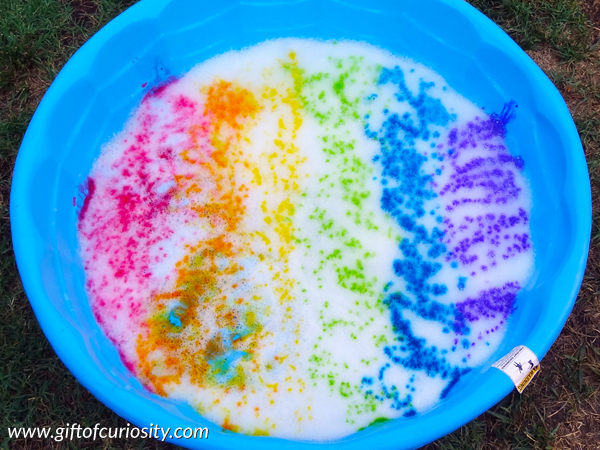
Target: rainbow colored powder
pixel 305 237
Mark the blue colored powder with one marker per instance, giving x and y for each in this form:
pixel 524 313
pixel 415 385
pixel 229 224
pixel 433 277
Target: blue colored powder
pixel 406 189
pixel 401 162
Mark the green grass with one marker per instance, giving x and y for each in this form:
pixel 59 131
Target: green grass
pixel 558 24
pixel 560 410
pixel 36 38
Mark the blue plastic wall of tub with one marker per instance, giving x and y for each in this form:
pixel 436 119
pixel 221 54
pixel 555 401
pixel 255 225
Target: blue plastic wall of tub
pixel 94 94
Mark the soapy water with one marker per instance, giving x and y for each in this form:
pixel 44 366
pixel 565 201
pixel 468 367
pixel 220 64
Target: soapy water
pixel 305 237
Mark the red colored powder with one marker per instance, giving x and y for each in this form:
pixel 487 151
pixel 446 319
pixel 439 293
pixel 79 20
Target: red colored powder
pixel 125 214
pixel 91 189
pixel 159 89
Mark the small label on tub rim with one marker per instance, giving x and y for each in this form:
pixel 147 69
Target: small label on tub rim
pixel 521 365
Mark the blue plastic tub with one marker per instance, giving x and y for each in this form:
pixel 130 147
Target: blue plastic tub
pixel 94 94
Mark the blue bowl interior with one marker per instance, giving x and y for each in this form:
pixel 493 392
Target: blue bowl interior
pixel 96 91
